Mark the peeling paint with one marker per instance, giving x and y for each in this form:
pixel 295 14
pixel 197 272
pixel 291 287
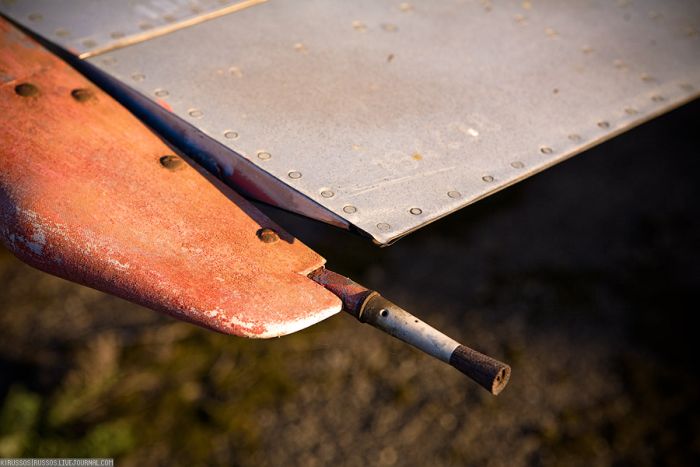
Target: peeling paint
pixel 87 199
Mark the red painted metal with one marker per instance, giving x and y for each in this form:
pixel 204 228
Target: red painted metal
pixel 86 194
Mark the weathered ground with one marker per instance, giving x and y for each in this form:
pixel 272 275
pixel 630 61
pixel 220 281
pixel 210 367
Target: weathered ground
pixel 585 278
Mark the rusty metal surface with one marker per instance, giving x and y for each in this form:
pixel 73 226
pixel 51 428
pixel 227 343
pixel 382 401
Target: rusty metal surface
pixel 89 194
pixel 350 292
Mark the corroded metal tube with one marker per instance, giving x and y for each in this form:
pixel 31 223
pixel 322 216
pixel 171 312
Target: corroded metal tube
pixel 370 307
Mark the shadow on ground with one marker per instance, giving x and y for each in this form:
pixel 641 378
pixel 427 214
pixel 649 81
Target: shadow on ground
pixel 584 278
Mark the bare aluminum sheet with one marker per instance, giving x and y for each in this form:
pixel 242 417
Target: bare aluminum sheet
pixel 392 114
pixel 89 27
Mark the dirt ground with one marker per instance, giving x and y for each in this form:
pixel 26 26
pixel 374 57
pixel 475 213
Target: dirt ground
pixel 584 278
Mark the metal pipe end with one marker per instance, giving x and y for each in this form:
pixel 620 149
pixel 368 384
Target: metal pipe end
pixel 488 372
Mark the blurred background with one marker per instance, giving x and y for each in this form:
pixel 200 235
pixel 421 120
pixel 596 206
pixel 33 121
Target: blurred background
pixel 584 278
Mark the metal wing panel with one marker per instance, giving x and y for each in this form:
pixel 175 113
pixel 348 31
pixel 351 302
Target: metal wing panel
pixel 392 115
pixel 89 27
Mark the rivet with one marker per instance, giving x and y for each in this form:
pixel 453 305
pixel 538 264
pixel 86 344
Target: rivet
pixel 82 94
pixel 161 92
pixel 416 211
pixel 327 194
pixel 686 87
pixel 349 209
pixel 267 235
pixel 487 178
pixel 145 26
pixel 89 43
pixel 195 113
pixel 657 98
pixel 388 27
pixel 35 17
pixel 26 90
pixel 405 7
pixel 383 226
pixel 604 124
pixel 171 162
pixel 264 156
pixel 546 150
pixel 109 61
pixel 294 174
pixel 116 35
pixel 60 32
pixel 574 137
pixel 647 78
pixel 230 134
pixel 454 194
pixel 517 165
pixel 169 18
pixel 138 76
pixel 630 111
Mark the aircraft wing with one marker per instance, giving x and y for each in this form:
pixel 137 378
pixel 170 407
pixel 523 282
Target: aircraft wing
pixel 381 116
pixel 378 117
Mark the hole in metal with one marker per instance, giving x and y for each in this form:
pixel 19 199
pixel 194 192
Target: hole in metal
pixel 171 162
pixel 26 90
pixel 82 94
pixel 267 235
